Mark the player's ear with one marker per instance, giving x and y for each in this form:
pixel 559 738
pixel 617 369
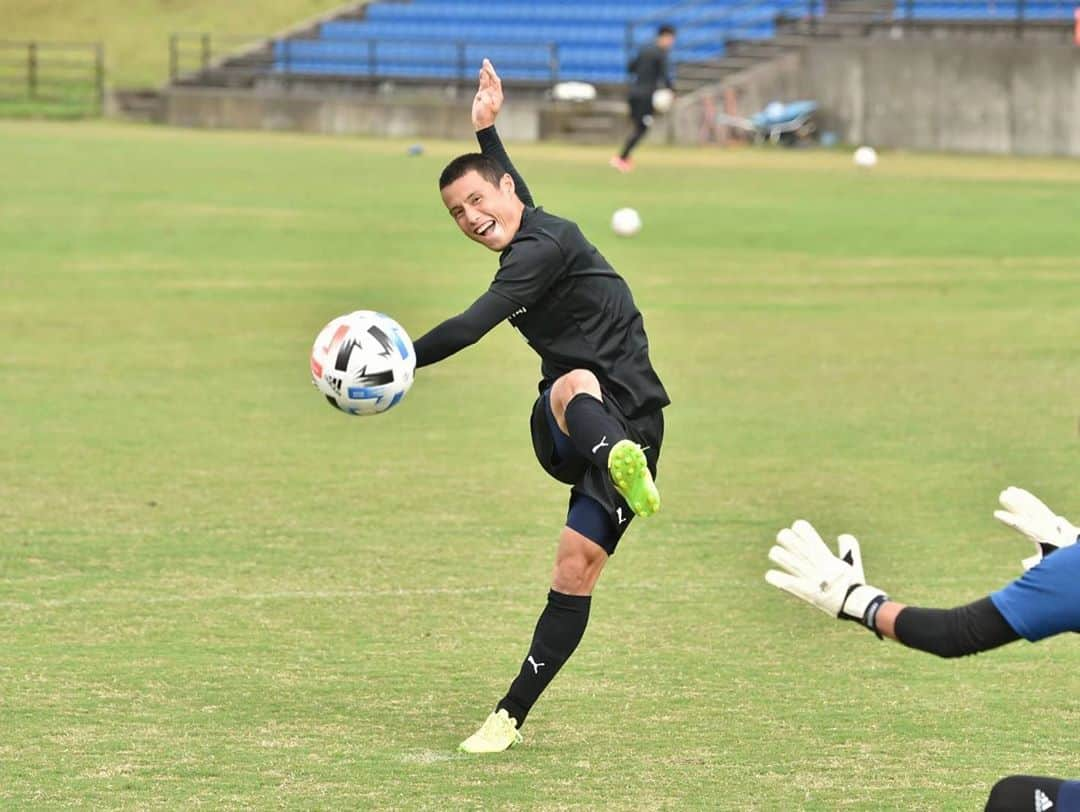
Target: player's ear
pixel 506 183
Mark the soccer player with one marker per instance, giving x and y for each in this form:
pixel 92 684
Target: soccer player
pixel 1043 602
pixel 650 71
pixel 597 424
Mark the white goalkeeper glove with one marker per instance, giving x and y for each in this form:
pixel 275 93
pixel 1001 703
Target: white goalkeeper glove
pixel 1026 513
pixel 835 585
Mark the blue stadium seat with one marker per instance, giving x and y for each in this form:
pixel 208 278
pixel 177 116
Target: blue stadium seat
pixel 540 40
pixel 984 9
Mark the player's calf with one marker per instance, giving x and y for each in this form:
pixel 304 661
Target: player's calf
pixel 600 438
pixel 593 430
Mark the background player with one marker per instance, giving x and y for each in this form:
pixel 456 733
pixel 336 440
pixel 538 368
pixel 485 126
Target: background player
pixel 1045 601
pixel 597 424
pixel 650 70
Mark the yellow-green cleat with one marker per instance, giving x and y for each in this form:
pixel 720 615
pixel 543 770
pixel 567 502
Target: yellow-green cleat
pixel 630 473
pixel 499 732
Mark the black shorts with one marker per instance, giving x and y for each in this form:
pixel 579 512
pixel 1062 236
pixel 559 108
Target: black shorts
pixel 641 110
pixel 561 461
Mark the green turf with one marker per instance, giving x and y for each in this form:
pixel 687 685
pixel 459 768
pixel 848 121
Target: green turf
pixel 216 591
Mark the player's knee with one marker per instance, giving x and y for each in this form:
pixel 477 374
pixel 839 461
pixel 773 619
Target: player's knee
pixel 571 578
pixel 573 383
pixel 575 574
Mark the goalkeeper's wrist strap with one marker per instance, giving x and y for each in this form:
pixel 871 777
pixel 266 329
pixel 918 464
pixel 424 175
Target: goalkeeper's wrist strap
pixel 865 601
pixel 869 618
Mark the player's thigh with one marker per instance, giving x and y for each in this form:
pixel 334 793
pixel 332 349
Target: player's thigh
pixel 641 110
pixel 553 449
pixel 566 388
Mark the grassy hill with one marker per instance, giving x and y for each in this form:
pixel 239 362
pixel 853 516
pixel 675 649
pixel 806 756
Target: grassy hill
pixel 136 34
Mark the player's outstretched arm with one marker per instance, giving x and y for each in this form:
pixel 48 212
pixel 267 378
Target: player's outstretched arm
pixel 463 330
pixel 837 586
pixel 1025 513
pixel 485 109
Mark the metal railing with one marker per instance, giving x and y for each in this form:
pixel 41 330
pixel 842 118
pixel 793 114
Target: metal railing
pixel 657 18
pixel 742 20
pixel 193 53
pixel 66 78
pixel 732 20
pixel 247 57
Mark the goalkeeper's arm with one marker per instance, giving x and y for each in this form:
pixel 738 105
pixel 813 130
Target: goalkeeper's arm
pixel 1040 604
pixel 837 585
pixel 958 632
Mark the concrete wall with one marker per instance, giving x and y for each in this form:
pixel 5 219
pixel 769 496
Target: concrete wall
pixel 956 94
pixel 1003 97
pixel 338 114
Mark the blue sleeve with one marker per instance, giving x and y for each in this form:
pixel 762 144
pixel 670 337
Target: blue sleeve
pixel 1069 796
pixel 1045 600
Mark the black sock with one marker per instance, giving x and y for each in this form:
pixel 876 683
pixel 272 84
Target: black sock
pixel 632 141
pixel 558 632
pixel 1024 792
pixel 592 430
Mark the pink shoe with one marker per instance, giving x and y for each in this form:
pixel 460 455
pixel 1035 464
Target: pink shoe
pixel 624 165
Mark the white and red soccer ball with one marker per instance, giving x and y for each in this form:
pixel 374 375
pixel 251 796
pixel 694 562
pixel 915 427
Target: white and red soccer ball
pixel 363 363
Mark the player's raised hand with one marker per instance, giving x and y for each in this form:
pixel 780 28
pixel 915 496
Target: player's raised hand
pixel 1028 515
pixel 834 584
pixel 489 97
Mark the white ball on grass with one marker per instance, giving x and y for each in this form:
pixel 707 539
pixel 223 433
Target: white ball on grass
pixel 865 157
pixel 626 222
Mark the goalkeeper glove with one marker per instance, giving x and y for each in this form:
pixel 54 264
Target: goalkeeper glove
pixel 1026 513
pixel 835 585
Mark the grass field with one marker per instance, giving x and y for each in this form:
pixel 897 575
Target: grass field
pixel 136 36
pixel 216 591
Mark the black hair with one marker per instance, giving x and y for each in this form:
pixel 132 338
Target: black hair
pixel 488 168
pixel 666 28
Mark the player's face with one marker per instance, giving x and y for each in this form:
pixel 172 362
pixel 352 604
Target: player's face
pixel 485 213
pixel 666 41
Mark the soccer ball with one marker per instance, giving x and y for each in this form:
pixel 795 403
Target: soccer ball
pixel 662 99
pixel 573 92
pixel 363 363
pixel 865 157
pixel 626 222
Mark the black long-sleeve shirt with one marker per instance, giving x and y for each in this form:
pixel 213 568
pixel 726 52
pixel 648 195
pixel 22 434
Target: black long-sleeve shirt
pixel 559 292
pixel 958 632
pixel 650 70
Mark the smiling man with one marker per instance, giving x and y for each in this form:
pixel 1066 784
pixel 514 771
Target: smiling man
pixel 597 424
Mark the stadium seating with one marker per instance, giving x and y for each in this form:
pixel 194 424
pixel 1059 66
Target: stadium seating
pixel 541 40
pixel 987 10
pixel 556 40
